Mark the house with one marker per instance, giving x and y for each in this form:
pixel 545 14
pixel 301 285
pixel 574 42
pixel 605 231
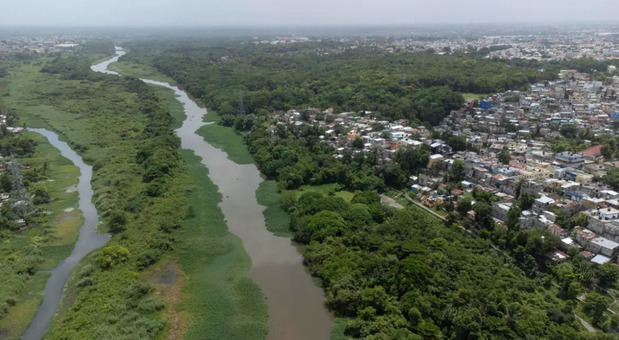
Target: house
pixel 556 230
pixel 604 246
pixel 527 219
pixel 587 254
pixel 467 185
pixel 609 194
pixel 434 159
pixel 567 242
pixel 583 236
pixel 556 256
pixel 593 152
pixel 604 222
pixel 500 210
pixel 542 203
pixel 600 259
pixel 570 160
pixel 440 147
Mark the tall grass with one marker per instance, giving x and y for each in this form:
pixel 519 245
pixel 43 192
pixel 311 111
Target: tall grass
pixel 277 220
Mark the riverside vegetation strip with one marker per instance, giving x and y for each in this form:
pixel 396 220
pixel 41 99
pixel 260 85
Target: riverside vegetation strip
pixel 140 181
pixel 224 138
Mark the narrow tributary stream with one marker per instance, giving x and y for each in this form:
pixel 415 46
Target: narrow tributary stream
pixel 88 241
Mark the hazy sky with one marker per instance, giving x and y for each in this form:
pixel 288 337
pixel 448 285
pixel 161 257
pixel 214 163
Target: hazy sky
pixel 300 12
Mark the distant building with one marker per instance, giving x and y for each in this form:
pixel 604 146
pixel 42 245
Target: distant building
pixel 434 159
pixel 485 104
pixel 500 210
pixel 570 160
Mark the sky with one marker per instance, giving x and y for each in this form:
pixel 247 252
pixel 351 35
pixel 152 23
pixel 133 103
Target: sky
pixel 300 12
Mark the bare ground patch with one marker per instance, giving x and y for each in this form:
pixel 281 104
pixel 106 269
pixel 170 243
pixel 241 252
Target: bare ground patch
pixel 168 280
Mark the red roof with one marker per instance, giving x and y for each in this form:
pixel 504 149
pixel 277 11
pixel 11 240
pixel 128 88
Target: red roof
pixel 595 150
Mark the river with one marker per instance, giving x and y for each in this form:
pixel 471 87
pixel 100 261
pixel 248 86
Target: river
pixel 295 303
pixel 88 241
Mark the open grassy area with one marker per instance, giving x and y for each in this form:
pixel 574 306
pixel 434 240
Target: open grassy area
pixel 277 220
pixel 226 139
pixel 139 71
pixel 326 189
pixel 50 239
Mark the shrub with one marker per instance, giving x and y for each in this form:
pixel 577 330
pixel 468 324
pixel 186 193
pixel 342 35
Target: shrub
pixel 151 304
pixel 112 255
pixel 118 220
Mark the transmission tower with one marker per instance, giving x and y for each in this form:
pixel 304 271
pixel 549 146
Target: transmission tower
pixel 241 111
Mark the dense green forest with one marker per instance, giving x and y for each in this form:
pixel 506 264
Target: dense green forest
pixel 420 86
pixel 403 274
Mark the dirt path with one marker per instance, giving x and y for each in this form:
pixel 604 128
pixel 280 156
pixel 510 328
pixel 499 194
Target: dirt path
pixel 388 201
pixel 585 324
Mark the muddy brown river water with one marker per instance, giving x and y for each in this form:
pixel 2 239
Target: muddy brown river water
pixel 295 303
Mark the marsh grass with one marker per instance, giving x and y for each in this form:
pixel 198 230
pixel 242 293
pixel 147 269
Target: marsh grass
pixel 277 220
pixel 226 139
pixel 222 301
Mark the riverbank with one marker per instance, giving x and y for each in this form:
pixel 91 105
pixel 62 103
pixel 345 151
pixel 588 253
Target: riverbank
pixel 47 244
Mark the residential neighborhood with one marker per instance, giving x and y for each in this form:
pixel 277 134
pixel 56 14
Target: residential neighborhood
pixel 507 144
